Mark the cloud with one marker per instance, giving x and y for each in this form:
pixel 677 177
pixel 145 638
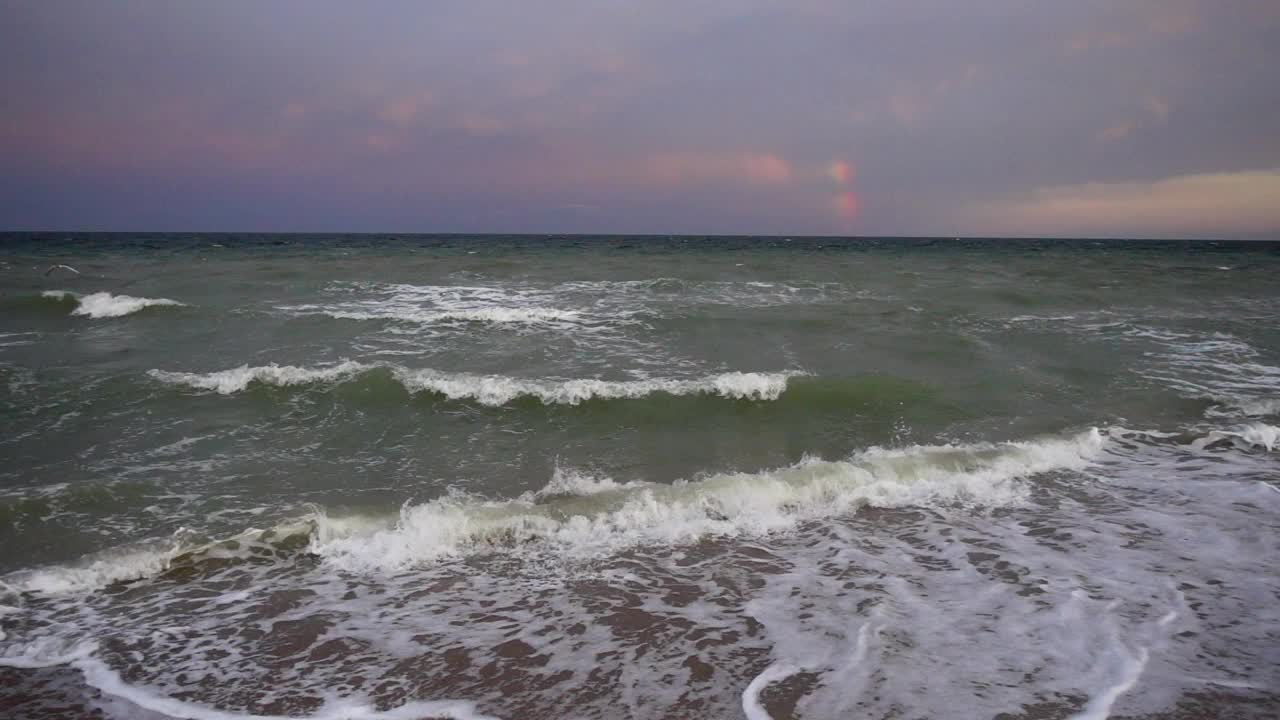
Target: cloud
pixel 906 107
pixel 480 124
pixel 1134 23
pixel 1157 106
pixel 840 171
pixel 846 205
pixel 688 116
pixel 1156 110
pixel 403 110
pixel 1117 132
pixel 717 168
pixel 1207 205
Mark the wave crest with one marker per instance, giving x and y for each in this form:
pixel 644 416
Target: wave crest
pixel 609 516
pixel 493 390
pixel 497 390
pixel 106 305
pixel 237 379
pixel 1252 435
pixel 579 516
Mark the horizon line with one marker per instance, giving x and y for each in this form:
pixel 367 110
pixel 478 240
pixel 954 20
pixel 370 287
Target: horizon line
pixel 392 235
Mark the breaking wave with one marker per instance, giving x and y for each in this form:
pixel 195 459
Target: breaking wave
pixel 580 516
pixel 240 378
pixel 449 305
pixel 493 390
pixel 610 517
pixel 1249 407
pixel 137 561
pixel 1251 435
pixel 106 305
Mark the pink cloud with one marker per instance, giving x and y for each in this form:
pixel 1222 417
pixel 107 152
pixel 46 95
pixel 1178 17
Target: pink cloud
pixel 749 168
pixel 480 124
pixel 1206 204
pixel 405 108
pixel 841 172
pixel 846 205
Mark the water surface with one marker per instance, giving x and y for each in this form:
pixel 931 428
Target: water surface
pixel 522 477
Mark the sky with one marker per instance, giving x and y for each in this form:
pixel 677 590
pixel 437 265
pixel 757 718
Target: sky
pixel 1150 118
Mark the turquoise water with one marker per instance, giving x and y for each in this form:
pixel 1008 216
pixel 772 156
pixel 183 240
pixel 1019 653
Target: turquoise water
pixel 357 476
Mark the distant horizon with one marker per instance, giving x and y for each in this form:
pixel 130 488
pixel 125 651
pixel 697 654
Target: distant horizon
pixel 394 235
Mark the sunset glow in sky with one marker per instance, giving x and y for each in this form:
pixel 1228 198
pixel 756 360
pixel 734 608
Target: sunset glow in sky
pixel 879 117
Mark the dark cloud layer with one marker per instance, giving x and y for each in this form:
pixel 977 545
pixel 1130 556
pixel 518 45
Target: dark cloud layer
pixel 1148 117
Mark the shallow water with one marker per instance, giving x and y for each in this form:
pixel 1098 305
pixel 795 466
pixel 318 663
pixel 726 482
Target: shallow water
pixel 638 477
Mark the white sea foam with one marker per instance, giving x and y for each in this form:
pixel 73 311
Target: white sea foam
pixel 1222 368
pixel 488 389
pixel 141 560
pixel 51 652
pixel 1249 407
pixel 1257 434
pixel 880 614
pixel 113 566
pixel 494 315
pixel 579 306
pixel 98 675
pixel 237 379
pixel 751 705
pixel 726 504
pixel 46 652
pixel 447 304
pixel 1099 706
pixel 500 390
pixel 571 482
pixel 106 305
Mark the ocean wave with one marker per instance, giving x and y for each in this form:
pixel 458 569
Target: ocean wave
pixel 98 571
pixel 449 305
pixel 1221 369
pixel 1251 435
pixel 1249 407
pixel 497 390
pixel 227 382
pixel 106 305
pixel 493 390
pixel 568 482
pixel 596 306
pixel 1246 437
pixel 580 515
pixel 613 517
pixel 147 559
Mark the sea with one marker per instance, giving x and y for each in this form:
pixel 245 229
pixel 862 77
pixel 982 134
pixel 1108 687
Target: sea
pixel 376 477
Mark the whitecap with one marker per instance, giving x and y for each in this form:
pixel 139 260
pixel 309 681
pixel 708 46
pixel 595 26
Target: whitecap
pixel 107 305
pixel 237 379
pixel 493 390
pixel 499 390
pixel 723 504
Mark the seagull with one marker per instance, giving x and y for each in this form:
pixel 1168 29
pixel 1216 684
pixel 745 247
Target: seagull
pixel 64 267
